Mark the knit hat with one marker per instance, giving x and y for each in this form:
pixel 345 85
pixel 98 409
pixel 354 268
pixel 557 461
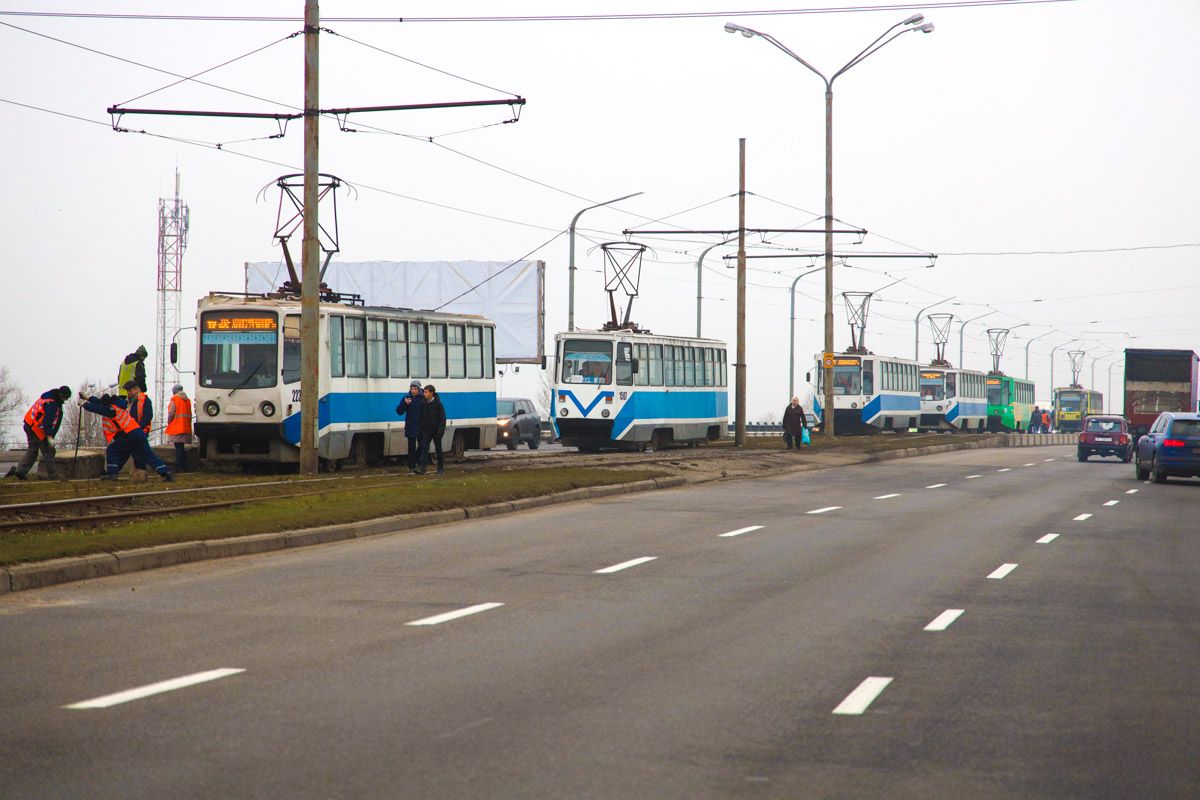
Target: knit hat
pixel 177 388
pixel 127 385
pixel 415 385
pixel 64 392
pixel 142 351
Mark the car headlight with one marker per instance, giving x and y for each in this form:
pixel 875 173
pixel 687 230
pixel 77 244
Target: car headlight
pixel 501 421
pixel 211 408
pixel 267 408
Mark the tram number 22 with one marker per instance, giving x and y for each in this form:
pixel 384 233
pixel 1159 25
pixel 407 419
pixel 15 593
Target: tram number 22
pixel 295 395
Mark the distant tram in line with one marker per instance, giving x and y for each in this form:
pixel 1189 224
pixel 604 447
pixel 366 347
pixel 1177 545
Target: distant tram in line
pixel 1072 404
pixel 1009 402
pixel 247 402
pixel 629 390
pixel 870 393
pixel 953 399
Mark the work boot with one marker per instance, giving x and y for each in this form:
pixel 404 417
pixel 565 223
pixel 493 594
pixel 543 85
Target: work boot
pixel 11 472
pixel 108 476
pixel 167 476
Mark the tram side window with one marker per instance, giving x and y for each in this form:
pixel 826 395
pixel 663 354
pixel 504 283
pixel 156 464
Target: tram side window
pixel 724 368
pixel 337 350
pixel 437 351
pixel 669 364
pixel 291 348
pixel 418 353
pixel 377 362
pixel 474 352
pixel 642 376
pixel 456 351
pixel 656 365
pixel 489 363
pixel 868 377
pixel 624 364
pixel 397 349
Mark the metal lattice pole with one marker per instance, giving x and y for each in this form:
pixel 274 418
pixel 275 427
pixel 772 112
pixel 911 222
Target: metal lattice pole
pixel 172 241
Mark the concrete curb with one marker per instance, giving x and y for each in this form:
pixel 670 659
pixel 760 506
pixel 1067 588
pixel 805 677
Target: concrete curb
pixel 65 570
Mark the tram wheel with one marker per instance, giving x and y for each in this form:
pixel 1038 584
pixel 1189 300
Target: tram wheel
pixel 458 446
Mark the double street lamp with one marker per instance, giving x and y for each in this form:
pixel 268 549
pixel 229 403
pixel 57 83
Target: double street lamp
pixel 913 23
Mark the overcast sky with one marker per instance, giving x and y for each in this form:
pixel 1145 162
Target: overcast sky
pixel 1010 134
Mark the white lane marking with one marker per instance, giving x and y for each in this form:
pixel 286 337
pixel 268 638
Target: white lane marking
pixel 740 531
pixel 1082 517
pixel 886 496
pixel 935 486
pixel 944 620
pixel 1048 538
pixel 1047 459
pixel 1004 469
pixel 1131 491
pixel 449 615
pixel 1147 483
pixel 857 701
pixel 1112 502
pixel 156 688
pixel 625 565
pixel 1001 571
pixel 1028 465
pixel 823 510
pixel 968 477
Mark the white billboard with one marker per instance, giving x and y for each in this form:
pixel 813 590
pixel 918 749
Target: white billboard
pixel 510 294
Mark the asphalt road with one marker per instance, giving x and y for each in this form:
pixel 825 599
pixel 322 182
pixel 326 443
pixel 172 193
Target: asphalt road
pixel 791 660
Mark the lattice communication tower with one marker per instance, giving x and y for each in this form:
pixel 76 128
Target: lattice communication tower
pixel 173 222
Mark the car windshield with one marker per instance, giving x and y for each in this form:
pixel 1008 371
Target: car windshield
pixel 1103 426
pixel 1186 428
pixel 504 408
pixel 586 361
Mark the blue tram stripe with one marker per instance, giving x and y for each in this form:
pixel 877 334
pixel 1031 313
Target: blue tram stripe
pixel 645 405
pixel 884 402
pixel 343 408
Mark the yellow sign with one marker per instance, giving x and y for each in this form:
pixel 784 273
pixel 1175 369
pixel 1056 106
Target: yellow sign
pixel 827 361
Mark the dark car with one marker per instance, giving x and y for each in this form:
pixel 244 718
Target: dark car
pixel 1106 435
pixel 517 421
pixel 1171 448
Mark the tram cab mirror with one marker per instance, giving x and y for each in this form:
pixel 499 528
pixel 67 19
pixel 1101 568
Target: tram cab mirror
pixel 174 353
pixel 808 377
pixel 543 362
pixel 635 366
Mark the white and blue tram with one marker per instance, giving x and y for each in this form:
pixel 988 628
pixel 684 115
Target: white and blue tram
pixel 247 403
pixel 953 399
pixel 627 390
pixel 870 393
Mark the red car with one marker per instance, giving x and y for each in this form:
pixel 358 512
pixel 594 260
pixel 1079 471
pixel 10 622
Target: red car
pixel 1105 436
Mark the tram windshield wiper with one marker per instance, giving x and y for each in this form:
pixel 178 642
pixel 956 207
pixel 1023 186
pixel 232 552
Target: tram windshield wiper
pixel 246 380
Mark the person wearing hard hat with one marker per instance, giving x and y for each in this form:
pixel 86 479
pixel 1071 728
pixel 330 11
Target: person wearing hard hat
pixel 133 368
pixel 41 424
pixel 179 424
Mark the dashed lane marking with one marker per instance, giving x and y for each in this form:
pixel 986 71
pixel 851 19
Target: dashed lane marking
pixel 155 688
pixel 1131 491
pixel 1047 459
pixel 1082 517
pixel 1112 502
pixel 451 615
pixel 1048 538
pixel 1004 469
pixel 1028 465
pixel 1001 571
pixel 823 510
pixel 968 477
pixel 857 701
pixel 935 486
pixel 625 565
pixel 740 531
pixel 887 496
pixel 944 620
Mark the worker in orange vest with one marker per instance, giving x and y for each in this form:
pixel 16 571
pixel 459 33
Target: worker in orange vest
pixel 179 424
pixel 41 424
pixel 142 410
pixel 128 437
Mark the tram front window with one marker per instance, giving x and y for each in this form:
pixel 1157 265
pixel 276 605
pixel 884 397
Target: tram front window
pixel 1070 402
pixel 996 395
pixel 239 349
pixel 586 361
pixel 932 389
pixel 847 380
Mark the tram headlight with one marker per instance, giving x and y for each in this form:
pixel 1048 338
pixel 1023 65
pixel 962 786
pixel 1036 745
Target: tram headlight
pixel 562 412
pixel 854 405
pixel 939 408
pixel 267 408
pixel 211 408
pixel 604 413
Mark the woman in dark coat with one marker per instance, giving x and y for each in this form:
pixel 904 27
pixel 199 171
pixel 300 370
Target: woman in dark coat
pixel 794 423
pixel 410 409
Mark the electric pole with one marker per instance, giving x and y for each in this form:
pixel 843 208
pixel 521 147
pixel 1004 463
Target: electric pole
pixel 309 256
pixel 739 430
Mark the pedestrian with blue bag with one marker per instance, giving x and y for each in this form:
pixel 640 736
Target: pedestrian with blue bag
pixel 795 425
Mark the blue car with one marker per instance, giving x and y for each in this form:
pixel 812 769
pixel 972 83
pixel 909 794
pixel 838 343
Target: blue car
pixel 1171 448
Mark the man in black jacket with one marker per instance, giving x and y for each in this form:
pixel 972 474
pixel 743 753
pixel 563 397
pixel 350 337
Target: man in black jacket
pixel 433 425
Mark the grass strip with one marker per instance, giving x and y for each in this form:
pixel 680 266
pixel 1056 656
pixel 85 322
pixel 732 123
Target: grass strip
pixel 326 508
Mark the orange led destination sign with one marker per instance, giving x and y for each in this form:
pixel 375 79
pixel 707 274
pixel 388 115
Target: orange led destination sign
pixel 847 361
pixel 931 375
pixel 264 323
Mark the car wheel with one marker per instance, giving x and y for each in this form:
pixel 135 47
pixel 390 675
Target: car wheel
pixel 1082 456
pixel 511 444
pixel 1159 475
pixel 535 442
pixel 1128 456
pixel 1141 473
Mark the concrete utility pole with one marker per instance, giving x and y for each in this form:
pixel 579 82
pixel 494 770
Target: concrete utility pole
pixel 310 258
pixel 739 435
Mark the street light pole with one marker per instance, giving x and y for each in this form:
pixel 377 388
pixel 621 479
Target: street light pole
pixel 792 333
pixel 1108 395
pixel 1052 352
pixel 827 425
pixel 917 326
pixel 1031 341
pixel 961 328
pixel 700 278
pixel 571 263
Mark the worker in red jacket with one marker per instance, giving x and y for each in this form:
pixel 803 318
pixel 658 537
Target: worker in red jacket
pixel 41 424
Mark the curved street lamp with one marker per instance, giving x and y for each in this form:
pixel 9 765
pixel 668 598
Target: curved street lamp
pixel 571 262
pixel 1031 341
pixel 961 328
pixel 700 280
pixel 792 334
pixel 913 23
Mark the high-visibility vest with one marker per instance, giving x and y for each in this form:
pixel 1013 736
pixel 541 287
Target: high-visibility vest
pixel 35 417
pixel 181 423
pixel 123 421
pixel 109 428
pixel 126 373
pixel 137 411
